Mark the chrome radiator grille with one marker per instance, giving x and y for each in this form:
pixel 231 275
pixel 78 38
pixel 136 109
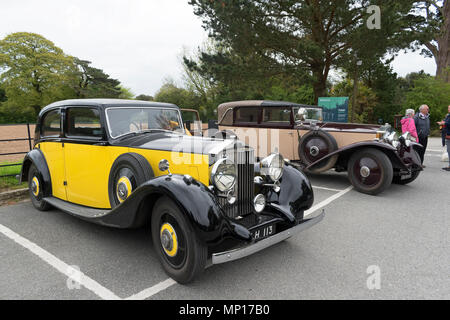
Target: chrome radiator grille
pixel 244 190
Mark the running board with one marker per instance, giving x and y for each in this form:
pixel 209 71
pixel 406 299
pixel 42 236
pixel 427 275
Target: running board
pixel 75 209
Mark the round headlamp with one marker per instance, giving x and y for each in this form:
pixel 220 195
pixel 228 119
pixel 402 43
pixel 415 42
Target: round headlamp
pixel 406 138
pixel 223 175
pixel 272 166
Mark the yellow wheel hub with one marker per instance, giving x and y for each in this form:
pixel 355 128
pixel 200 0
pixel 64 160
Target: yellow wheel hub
pixel 169 240
pixel 35 186
pixel 123 189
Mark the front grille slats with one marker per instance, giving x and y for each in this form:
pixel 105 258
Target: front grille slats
pixel 245 188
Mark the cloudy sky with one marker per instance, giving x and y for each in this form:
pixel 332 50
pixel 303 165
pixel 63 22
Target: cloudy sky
pixel 138 42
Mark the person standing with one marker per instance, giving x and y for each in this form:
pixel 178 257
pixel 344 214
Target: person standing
pixel 446 130
pixel 408 123
pixel 422 122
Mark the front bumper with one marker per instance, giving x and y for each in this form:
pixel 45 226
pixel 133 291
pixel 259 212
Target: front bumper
pixel 238 253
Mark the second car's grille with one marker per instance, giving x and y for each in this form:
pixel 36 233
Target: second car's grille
pixel 245 189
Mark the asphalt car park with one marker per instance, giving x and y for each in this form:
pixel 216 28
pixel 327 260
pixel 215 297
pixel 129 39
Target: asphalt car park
pixel 392 246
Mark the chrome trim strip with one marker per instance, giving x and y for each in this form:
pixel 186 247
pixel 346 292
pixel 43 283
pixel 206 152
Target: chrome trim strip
pixel 239 253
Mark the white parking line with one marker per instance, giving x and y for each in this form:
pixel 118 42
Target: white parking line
pixel 327 189
pixel 148 293
pixel 59 265
pixel 327 201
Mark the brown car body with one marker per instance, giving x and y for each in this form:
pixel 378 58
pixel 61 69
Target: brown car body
pixel 271 126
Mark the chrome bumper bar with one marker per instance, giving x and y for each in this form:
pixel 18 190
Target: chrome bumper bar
pixel 242 252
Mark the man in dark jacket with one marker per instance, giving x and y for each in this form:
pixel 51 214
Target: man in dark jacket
pixel 422 120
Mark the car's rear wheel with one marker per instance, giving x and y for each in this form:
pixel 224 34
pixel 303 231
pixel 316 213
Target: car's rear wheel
pixel 36 189
pixel 128 172
pixel 370 171
pixel 182 255
pixel 315 145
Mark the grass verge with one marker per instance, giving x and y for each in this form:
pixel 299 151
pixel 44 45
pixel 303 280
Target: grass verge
pixel 10 183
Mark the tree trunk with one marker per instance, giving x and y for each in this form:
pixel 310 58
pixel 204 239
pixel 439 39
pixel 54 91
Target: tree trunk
pixel 443 54
pixel 320 83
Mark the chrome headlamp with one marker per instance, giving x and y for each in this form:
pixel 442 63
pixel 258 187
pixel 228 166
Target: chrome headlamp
pixel 393 139
pixel 272 166
pixel 223 175
pixel 406 139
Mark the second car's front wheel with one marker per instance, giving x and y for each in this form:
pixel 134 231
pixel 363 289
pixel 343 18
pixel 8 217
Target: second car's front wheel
pixel 182 255
pixel 370 171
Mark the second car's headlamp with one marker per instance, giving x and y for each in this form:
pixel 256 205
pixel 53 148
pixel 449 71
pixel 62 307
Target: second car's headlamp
pixel 223 175
pixel 393 139
pixel 272 166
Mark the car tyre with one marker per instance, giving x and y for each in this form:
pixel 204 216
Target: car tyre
pixel 182 255
pixel 36 189
pixel 128 172
pixel 370 171
pixel 315 145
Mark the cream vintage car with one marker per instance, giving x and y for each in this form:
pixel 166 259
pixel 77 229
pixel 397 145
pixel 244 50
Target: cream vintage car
pixel 374 156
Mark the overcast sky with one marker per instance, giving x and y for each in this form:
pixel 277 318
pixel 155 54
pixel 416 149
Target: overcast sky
pixel 138 42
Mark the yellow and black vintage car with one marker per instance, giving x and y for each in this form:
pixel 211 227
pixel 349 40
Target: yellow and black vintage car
pixel 127 164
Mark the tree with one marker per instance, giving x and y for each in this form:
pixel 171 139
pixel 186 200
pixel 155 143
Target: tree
pixel 144 97
pixel 90 82
pixel 430 23
pixel 431 91
pixel 34 72
pixel 125 93
pixel 171 93
pixel 298 37
pixel 366 101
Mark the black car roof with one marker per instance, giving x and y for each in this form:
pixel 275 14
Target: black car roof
pixel 107 103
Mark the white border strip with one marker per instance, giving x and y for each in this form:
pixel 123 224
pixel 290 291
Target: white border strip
pixel 59 265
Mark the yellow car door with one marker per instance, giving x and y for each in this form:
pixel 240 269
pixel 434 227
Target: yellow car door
pixel 52 148
pixel 87 160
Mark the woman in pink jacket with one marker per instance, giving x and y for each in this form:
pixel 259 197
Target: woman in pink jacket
pixel 408 124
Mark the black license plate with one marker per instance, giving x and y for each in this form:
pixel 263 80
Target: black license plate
pixel 263 232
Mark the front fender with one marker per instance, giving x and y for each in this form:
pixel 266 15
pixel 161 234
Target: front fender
pixel 296 194
pixel 37 158
pixel 346 152
pixel 196 201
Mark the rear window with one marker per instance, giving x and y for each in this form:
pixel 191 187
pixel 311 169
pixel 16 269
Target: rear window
pixel 84 122
pixel 51 124
pixel 247 115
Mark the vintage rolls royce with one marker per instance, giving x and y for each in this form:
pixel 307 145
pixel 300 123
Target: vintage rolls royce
pixel 374 156
pixel 128 163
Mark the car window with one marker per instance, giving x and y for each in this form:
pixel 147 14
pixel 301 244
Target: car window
pixel 51 124
pixel 278 115
pixel 125 120
pixel 84 122
pixel 246 115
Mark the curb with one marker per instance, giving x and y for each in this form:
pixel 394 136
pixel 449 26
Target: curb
pixel 8 195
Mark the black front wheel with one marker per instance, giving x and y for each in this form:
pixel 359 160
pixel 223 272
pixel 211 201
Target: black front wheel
pixel 370 171
pixel 182 255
